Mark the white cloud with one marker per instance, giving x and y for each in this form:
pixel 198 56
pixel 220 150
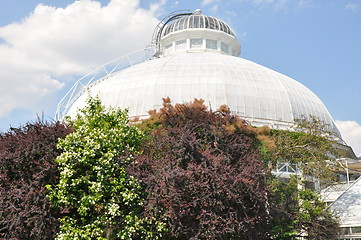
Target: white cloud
pixel 352 7
pixel 214 8
pixel 212 5
pixel 351 133
pixel 263 1
pixel 305 3
pixel 206 2
pixel 260 3
pixel 175 4
pixel 282 4
pixel 53 43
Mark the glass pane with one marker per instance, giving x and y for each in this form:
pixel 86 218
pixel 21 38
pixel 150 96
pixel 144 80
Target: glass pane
pixel 211 23
pixel 206 22
pixel 191 22
pixel 201 22
pixel 196 21
pixel 356 229
pixel 211 44
pixel 222 27
pixel 345 231
pixel 283 169
pixel 167 30
pixel 180 44
pixel 224 47
pixel 291 170
pixel 196 43
pixel 216 24
pixel 227 30
pixel 181 23
pixel 176 25
pixel 167 49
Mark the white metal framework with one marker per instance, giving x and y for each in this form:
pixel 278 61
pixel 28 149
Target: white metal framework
pixel 101 73
pixel 199 21
pixel 348 208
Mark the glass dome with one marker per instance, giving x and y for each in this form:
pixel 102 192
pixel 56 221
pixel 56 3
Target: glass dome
pixel 253 92
pixel 198 20
pixel 196 62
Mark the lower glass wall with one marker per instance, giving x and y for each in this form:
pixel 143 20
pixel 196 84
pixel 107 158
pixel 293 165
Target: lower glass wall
pixel 347 233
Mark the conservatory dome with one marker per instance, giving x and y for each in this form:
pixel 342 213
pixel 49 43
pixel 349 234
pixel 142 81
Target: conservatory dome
pixel 194 60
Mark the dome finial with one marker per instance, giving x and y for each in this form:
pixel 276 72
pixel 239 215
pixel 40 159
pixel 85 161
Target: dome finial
pixel 198 12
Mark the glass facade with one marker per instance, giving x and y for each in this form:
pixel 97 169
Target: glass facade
pixel 195 43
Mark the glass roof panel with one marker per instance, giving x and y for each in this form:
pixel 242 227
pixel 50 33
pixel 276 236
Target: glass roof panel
pixel 197 21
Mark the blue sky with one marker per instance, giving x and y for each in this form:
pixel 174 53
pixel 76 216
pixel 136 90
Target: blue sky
pixel 45 45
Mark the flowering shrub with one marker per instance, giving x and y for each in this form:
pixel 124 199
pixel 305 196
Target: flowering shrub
pixel 101 200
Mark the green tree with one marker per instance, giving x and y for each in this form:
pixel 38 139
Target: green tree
pixel 311 146
pixel 314 218
pixel 297 208
pixel 100 199
pixel 299 211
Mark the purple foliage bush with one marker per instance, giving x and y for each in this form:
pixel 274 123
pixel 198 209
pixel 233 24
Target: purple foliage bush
pixel 203 174
pixel 27 164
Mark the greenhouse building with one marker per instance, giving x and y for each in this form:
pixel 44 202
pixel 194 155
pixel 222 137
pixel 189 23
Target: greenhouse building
pixel 197 56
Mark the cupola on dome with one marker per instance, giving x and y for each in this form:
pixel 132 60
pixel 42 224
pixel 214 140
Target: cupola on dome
pixel 195 32
pixel 198 20
pixel 197 57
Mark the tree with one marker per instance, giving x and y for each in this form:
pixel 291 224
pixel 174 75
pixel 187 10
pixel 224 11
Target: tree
pixel 203 173
pixel 190 147
pixel 101 199
pixel 27 164
pixel 311 146
pixel 297 208
pixel 298 211
pixel 314 218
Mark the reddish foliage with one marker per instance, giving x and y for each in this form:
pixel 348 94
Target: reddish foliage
pixel 27 163
pixel 202 170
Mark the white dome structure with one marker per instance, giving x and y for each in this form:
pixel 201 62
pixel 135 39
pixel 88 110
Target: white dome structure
pixel 197 58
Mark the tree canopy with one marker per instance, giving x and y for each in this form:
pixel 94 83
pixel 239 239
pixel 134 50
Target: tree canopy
pixel 298 208
pixel 311 146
